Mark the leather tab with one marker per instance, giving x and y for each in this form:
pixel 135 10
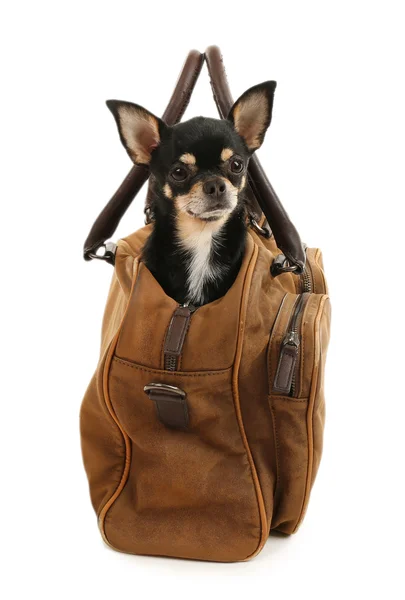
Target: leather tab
pixel 171 404
pixel 175 336
pixel 285 369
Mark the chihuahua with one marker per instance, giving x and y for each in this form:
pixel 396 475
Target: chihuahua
pixel 199 169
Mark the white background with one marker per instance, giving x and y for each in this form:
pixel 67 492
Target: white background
pixel 335 154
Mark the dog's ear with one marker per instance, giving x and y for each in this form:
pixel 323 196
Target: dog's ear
pixel 140 131
pixel 251 114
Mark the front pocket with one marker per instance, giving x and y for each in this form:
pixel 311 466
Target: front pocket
pixel 189 493
pixel 296 358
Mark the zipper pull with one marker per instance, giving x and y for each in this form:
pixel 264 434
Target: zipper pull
pixel 176 334
pixel 291 339
pixel 286 364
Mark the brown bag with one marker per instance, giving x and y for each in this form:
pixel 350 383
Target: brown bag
pixel 203 431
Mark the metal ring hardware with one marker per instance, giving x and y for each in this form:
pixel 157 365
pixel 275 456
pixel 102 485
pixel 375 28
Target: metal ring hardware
pixel 109 253
pixel 260 230
pixel 149 216
pixel 281 264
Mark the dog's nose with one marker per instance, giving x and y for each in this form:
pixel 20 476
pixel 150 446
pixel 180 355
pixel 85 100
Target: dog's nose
pixel 214 187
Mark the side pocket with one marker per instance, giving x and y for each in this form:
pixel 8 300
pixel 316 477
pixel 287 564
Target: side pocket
pixel 298 412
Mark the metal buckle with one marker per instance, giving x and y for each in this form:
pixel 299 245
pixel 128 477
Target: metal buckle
pixel 165 387
pixel 171 404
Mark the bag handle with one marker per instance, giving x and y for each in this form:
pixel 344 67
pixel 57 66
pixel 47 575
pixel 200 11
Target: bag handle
pixel 109 218
pixel 285 234
pixel 260 193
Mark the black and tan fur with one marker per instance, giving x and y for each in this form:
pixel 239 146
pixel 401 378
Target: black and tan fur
pixel 199 169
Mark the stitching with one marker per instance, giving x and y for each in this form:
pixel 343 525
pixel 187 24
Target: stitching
pixel 178 373
pixel 184 328
pixel 177 351
pixel 303 338
pixel 318 257
pixel 277 335
pixel 288 398
pixel 293 361
pixel 236 401
pixel 158 411
pixel 272 336
pixel 106 398
pixel 162 347
pixel 179 360
pixel 314 290
pixel 170 347
pixel 187 95
pixel 315 383
pixel 273 410
pixel 277 445
pixel 185 415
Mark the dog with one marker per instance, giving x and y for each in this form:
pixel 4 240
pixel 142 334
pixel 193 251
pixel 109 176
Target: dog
pixel 199 169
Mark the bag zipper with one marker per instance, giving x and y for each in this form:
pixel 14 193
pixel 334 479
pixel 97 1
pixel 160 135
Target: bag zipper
pixel 170 400
pixel 306 280
pixel 176 333
pixel 306 276
pixel 285 377
pixel 285 380
pixel 286 371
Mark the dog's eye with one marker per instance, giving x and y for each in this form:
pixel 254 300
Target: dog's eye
pixel 236 165
pixel 179 174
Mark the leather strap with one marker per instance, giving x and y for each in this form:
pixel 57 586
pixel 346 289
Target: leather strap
pixel 171 401
pixel 261 195
pixel 171 404
pixel 175 336
pixel 285 369
pixel 286 235
pixel 109 218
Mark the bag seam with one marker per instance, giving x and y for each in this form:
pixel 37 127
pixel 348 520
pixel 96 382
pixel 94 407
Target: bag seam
pixel 289 399
pixel 277 447
pixel 310 410
pixel 127 459
pixel 236 401
pixel 176 373
pixel 303 346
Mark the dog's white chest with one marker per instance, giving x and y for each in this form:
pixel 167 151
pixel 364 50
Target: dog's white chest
pixel 201 268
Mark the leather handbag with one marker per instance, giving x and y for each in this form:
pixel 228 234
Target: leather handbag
pixel 202 431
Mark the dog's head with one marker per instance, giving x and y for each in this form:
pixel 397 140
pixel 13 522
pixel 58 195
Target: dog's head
pixel 200 165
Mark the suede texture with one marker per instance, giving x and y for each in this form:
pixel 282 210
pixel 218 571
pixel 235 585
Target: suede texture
pixel 248 460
